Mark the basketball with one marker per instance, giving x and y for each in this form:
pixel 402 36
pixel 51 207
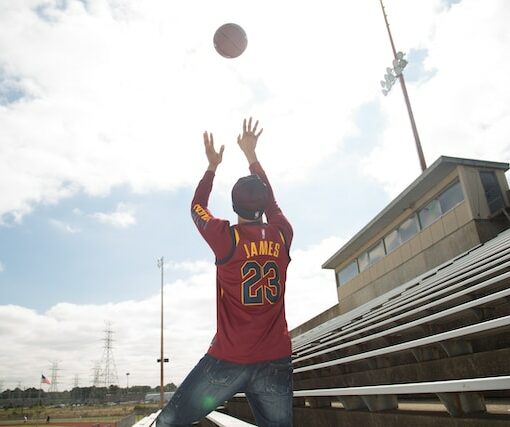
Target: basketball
pixel 230 40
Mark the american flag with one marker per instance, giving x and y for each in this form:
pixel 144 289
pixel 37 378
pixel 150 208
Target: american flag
pixel 45 380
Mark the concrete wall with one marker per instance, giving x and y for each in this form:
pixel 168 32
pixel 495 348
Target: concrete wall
pixel 416 257
pixel 406 214
pixel 460 229
pixel 450 235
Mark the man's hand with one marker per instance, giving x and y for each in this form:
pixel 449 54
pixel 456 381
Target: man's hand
pixel 213 156
pixel 248 140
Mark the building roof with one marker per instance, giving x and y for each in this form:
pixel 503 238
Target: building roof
pixel 405 200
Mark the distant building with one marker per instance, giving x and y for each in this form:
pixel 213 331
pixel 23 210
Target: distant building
pixel 154 397
pixel 453 206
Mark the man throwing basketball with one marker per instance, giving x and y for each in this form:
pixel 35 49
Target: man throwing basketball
pixel 251 350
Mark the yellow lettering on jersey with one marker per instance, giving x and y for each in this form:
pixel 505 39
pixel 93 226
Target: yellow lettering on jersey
pixel 263 247
pixel 253 249
pixel 276 249
pixel 201 212
pixel 271 244
pixel 245 246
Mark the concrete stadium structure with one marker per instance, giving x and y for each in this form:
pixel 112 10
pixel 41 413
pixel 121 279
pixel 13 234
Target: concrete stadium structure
pixel 453 206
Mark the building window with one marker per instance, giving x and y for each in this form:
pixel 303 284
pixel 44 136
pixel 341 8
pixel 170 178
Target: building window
pixel 402 234
pixel 451 197
pixel 392 241
pixel 347 273
pixel 430 213
pixel 376 253
pixel 408 229
pixel 363 262
pixel 443 203
pixel 492 191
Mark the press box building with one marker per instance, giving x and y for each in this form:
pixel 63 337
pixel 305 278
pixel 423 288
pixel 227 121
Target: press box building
pixel 453 206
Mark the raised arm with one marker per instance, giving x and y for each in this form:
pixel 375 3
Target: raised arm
pixel 247 141
pixel 214 230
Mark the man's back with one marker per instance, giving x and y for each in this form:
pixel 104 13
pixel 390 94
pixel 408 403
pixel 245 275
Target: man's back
pixel 250 302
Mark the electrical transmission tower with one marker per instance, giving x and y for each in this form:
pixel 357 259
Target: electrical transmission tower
pixel 108 374
pixel 76 380
pixel 96 374
pixel 54 377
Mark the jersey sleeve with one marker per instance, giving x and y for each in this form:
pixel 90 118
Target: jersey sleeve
pixel 273 212
pixel 215 231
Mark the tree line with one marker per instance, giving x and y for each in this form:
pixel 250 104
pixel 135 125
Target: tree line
pixel 78 395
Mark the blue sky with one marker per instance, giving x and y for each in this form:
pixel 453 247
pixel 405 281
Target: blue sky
pixel 62 252
pixel 102 109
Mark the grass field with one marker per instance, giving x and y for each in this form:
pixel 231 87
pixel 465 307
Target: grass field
pixel 81 416
pixel 70 422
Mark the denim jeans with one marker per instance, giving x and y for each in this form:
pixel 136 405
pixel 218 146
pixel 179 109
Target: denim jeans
pixel 268 388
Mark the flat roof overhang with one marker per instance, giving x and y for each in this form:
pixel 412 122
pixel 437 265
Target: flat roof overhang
pixel 426 181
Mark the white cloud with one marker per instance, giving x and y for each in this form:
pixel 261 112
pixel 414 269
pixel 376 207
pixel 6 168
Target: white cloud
pixel 138 82
pixel 72 334
pixel 122 217
pixel 2 268
pixel 62 226
pixel 464 109
pixel 310 289
pixel 121 94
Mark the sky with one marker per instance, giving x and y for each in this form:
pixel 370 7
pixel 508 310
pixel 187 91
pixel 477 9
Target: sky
pixel 102 108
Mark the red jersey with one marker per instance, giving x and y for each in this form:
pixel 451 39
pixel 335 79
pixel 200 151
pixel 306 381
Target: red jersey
pixel 251 271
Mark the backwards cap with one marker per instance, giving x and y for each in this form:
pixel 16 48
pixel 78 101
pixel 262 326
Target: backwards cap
pixel 249 197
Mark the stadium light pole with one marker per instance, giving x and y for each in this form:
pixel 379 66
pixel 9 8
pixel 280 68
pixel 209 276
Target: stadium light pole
pixel 161 360
pixel 400 76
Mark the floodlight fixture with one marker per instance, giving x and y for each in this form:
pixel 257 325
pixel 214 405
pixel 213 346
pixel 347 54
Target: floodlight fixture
pixel 399 63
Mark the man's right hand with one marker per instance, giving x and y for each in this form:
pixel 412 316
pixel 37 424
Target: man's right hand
pixel 248 140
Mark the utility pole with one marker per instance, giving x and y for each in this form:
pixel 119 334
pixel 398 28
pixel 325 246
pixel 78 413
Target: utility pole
pixel 400 76
pixel 161 264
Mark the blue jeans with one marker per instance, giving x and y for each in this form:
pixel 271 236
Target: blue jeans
pixel 268 388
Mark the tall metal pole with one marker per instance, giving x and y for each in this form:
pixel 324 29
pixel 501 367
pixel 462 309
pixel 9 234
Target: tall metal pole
pixel 161 384
pixel 406 97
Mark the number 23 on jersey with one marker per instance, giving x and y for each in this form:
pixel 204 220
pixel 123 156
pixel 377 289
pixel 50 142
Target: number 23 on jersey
pixel 260 283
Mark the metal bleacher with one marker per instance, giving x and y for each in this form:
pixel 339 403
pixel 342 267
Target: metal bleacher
pixel 214 419
pixel 433 351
